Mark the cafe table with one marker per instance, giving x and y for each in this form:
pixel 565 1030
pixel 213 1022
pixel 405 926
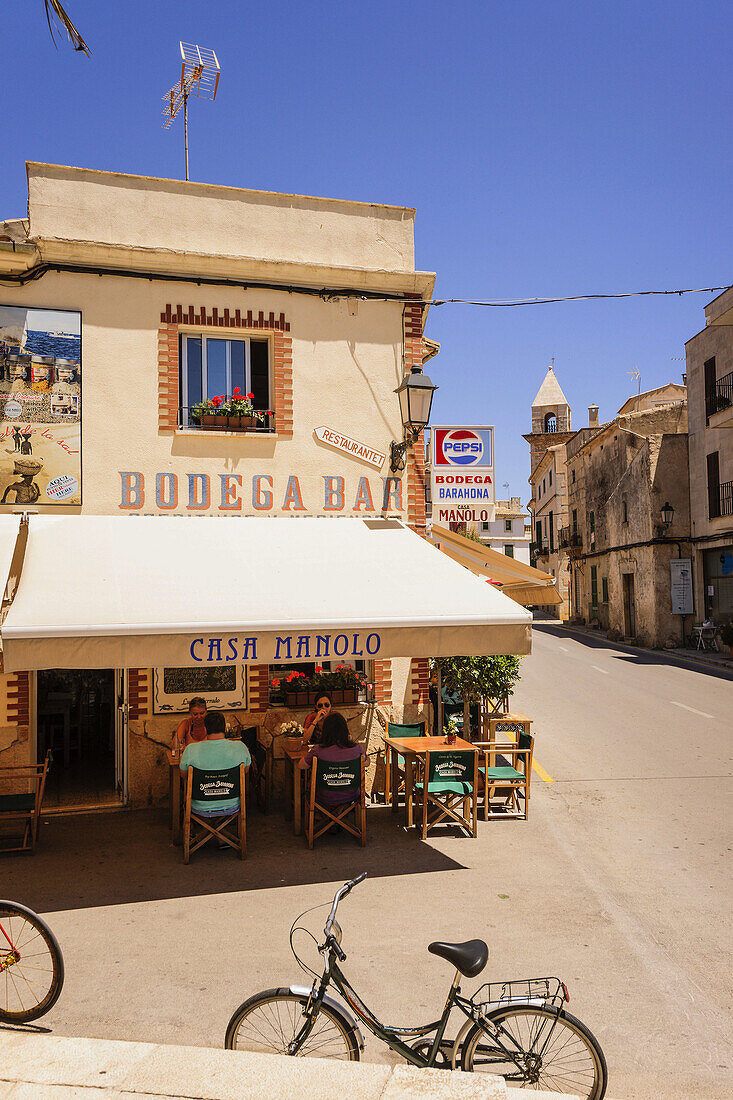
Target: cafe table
pixel 296 753
pixel 414 749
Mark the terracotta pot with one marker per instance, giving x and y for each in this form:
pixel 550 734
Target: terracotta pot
pixel 222 423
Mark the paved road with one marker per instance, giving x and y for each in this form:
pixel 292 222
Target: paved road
pixel 617 883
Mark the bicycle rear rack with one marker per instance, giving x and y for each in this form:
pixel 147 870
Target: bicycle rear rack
pixel 537 991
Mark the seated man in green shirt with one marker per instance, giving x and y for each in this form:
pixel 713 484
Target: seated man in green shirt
pixel 215 754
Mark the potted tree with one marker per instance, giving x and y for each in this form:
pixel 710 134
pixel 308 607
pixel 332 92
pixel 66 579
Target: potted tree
pixel 490 679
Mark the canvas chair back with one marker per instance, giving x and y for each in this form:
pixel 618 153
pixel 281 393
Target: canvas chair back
pixel 405 729
pixel 450 766
pixel 340 777
pixel 212 786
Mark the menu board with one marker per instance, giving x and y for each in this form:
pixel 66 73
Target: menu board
pixel 40 406
pixel 224 687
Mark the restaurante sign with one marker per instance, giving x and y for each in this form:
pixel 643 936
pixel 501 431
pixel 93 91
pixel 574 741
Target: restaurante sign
pixel 350 446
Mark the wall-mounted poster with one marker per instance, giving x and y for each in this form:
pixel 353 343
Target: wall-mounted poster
pixel 40 406
pixel 224 687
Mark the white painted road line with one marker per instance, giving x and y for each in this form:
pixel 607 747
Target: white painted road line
pixel 603 670
pixel 692 709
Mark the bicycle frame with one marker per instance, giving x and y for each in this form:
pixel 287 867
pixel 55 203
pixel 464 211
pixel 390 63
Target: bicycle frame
pixel 394 1037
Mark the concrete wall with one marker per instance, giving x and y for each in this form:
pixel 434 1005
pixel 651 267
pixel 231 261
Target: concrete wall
pixel 78 204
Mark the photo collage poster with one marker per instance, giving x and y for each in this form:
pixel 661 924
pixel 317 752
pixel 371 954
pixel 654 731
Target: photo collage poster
pixel 40 406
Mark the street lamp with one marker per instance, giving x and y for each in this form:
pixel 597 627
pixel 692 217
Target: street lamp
pixel 667 514
pixel 415 393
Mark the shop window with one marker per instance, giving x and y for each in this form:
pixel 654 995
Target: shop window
pixel 507 525
pixel 509 550
pixel 212 367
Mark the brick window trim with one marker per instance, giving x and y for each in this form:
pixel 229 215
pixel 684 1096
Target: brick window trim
pixel 415 467
pixel 420 680
pixel 18 699
pixel 276 328
pixel 138 680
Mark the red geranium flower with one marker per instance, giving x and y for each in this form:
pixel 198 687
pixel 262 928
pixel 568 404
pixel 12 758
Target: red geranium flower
pixel 216 401
pixel 250 395
pixel 237 390
pixel 318 668
pixel 276 683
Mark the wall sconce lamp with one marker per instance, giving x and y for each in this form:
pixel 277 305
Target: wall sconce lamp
pixel 415 393
pixel 667 514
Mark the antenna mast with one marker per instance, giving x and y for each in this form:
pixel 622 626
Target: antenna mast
pixel 200 77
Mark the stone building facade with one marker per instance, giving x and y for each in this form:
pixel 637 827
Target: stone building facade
pixel 620 474
pixel 551 430
pixel 710 404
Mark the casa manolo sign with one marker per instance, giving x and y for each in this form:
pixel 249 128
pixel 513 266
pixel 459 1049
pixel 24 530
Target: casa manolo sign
pixel 462 477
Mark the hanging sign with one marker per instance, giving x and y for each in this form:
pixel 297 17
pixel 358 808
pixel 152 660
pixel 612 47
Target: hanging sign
pixel 681 586
pixel 463 475
pixel 350 446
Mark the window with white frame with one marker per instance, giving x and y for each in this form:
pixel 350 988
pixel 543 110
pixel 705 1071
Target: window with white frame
pixel 212 366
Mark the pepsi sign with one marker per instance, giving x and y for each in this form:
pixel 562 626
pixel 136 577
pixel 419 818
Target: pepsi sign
pixel 463 447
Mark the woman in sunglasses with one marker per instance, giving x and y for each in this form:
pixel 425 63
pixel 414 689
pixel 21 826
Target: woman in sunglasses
pixel 314 722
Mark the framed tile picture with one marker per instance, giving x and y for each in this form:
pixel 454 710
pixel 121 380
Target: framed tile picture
pixel 224 687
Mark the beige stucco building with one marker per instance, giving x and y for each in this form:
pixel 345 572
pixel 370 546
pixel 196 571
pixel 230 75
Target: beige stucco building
pixel 710 405
pixel 620 475
pixel 180 290
pixel 508 533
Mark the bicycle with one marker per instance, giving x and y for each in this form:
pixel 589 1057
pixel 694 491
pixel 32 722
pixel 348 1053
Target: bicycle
pixel 518 1030
pixel 31 965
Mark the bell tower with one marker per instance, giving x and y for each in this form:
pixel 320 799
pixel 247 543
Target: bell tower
pixel 550 417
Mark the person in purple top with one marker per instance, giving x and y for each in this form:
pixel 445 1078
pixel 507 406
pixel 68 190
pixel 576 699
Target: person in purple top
pixel 336 746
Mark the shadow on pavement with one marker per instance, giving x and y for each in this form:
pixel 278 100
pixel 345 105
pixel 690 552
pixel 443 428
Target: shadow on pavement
pixel 87 860
pixel 634 655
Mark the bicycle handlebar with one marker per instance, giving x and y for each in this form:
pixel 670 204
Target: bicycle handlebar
pixel 345 889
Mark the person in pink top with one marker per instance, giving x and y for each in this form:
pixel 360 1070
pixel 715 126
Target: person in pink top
pixel 335 747
pixel 313 725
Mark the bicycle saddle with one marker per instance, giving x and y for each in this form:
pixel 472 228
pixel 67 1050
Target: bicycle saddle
pixel 469 957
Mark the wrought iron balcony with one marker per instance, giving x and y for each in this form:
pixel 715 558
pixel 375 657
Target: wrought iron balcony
pixel 720 396
pixel 720 500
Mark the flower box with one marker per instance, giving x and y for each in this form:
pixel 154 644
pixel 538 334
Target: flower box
pixel 300 698
pixel 343 695
pixel 220 423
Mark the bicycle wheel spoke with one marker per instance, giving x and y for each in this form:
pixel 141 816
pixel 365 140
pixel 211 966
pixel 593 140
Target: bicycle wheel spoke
pixel 271 1025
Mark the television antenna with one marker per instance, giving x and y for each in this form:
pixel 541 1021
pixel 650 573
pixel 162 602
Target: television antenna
pixel 200 77
pixel 637 377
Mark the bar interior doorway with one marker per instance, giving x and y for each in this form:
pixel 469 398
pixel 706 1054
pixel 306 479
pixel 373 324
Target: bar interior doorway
pixel 76 715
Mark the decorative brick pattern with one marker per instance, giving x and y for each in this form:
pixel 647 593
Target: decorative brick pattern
pixel 258 687
pixel 383 682
pixel 277 328
pixel 18 699
pixel 420 681
pixel 138 680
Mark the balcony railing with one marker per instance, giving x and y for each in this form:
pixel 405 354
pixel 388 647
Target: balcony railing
pixel 570 537
pixel 720 500
pixel 223 423
pixel 720 397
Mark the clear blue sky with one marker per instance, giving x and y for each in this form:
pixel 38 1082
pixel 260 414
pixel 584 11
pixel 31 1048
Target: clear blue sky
pixel 549 148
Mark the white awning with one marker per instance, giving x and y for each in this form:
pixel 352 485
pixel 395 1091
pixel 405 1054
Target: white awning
pixel 150 591
pixel 9 529
pixel 519 581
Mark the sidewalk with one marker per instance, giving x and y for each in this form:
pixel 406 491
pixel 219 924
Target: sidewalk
pixel 36 1066
pixel 721 661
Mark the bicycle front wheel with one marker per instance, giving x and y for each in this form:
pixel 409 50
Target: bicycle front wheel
pixel 31 965
pixel 536 1048
pixel 269 1022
